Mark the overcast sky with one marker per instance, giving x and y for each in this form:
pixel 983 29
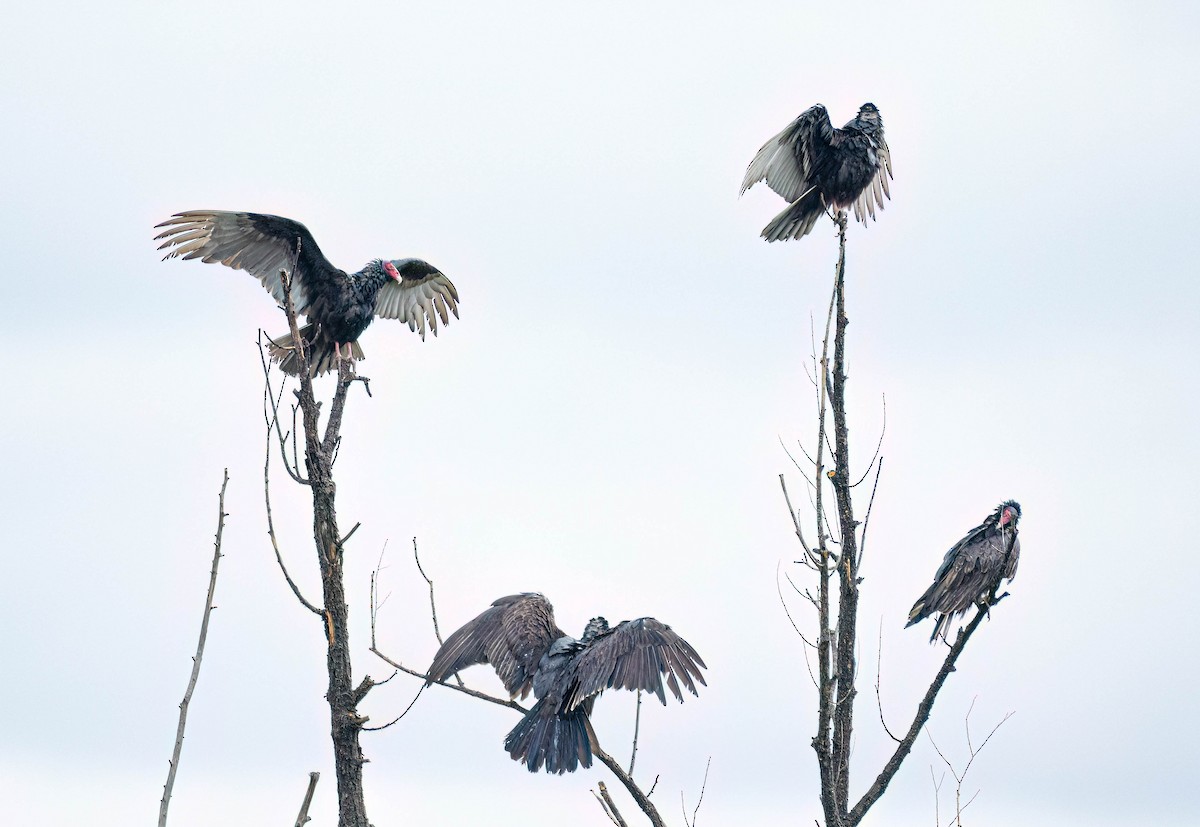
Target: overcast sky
pixel 604 423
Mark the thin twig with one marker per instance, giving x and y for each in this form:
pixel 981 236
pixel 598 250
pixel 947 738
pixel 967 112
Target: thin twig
pixel 304 818
pixel 878 445
pixel 195 676
pixel 273 419
pixel 878 679
pixel 398 717
pixel 271 533
pixel 816 561
pixel 437 632
pixel 483 696
pixel 700 801
pixel 862 543
pixel 637 724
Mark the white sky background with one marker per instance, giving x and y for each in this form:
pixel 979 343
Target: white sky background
pixel 603 423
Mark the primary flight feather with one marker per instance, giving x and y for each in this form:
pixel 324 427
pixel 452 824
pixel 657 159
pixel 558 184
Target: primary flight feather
pixel 338 305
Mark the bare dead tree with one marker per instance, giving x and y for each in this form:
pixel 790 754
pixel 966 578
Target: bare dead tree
pixel 641 797
pixel 834 557
pixel 320 451
pixel 169 787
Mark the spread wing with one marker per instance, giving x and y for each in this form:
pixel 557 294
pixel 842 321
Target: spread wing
pixel 422 295
pixel 786 162
pixel 875 193
pixel 636 654
pixel 512 636
pixel 262 245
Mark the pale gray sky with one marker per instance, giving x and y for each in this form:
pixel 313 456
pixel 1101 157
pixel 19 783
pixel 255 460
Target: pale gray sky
pixel 603 423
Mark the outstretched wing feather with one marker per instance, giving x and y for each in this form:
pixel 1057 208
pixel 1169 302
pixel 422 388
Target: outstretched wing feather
pixel 787 160
pixel 636 654
pixel 262 245
pixel 418 302
pixel 511 635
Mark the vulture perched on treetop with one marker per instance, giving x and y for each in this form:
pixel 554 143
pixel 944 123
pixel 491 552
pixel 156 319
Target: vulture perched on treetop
pixel 519 638
pixel 339 305
pixel 972 569
pixel 817 167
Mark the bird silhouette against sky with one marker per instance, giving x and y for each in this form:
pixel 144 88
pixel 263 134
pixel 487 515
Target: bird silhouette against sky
pixel 816 168
pixel 338 305
pixel 518 637
pixel 972 570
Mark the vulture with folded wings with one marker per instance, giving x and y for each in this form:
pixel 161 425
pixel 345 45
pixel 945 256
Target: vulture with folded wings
pixel 338 305
pixel 518 637
pixel 972 570
pixel 817 167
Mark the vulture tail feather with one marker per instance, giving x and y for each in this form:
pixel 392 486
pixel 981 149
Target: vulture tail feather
pixel 322 353
pixel 797 220
pixel 560 742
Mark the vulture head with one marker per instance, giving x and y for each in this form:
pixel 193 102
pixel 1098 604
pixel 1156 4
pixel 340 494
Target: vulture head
pixel 595 627
pixel 1008 513
pixel 410 268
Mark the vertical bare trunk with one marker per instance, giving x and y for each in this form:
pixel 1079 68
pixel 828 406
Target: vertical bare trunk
pixel 844 690
pixel 345 722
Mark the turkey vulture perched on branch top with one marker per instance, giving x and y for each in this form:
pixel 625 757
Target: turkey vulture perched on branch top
pixel 339 306
pixel 817 167
pixel 519 638
pixel 972 569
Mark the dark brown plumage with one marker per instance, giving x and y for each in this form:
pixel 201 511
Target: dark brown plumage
pixel 338 305
pixel 972 569
pixel 817 167
pixel 518 636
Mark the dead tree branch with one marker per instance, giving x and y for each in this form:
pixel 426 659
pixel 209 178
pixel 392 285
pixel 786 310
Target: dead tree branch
pixel 641 798
pixel 703 786
pixel 195 676
pixel 959 778
pixel 304 818
pixel 610 809
pixel 271 532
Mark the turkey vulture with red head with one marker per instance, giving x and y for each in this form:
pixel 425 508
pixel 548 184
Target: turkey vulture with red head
pixel 972 569
pixel 338 305
pixel 817 167
pixel 519 638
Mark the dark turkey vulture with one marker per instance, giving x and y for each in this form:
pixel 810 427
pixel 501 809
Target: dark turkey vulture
pixel 972 569
pixel 339 305
pixel 519 638
pixel 817 167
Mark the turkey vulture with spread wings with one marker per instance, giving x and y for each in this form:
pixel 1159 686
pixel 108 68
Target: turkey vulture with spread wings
pixel 972 569
pixel 519 638
pixel 339 305
pixel 817 167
